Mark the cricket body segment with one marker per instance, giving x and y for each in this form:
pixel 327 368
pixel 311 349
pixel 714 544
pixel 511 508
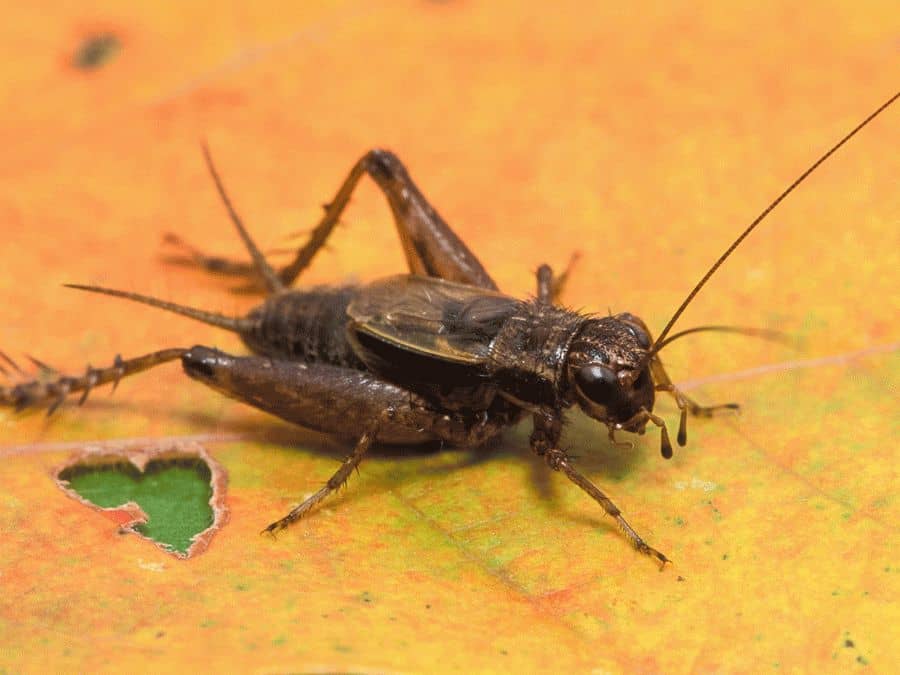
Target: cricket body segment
pixel 438 354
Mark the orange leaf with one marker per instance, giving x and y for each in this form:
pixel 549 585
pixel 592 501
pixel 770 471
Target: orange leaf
pixel 644 139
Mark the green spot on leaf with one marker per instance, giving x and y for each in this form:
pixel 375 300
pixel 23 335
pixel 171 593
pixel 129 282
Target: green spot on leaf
pixel 173 493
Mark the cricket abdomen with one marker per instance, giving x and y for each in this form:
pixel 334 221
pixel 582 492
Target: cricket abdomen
pixel 308 325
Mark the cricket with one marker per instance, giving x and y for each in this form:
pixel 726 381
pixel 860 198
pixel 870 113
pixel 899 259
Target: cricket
pixel 438 354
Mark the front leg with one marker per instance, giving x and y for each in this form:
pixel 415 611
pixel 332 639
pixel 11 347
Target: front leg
pixel 545 442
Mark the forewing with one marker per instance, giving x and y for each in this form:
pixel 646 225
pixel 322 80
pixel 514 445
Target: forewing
pixel 431 316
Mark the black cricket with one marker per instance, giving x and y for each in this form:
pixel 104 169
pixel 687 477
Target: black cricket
pixel 438 354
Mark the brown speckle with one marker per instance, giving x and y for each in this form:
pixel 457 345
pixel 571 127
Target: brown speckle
pixel 96 51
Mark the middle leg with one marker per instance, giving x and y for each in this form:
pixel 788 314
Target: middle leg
pixel 333 484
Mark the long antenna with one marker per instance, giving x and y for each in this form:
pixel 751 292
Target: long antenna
pixel 752 226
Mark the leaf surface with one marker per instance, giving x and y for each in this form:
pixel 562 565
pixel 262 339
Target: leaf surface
pixel 645 139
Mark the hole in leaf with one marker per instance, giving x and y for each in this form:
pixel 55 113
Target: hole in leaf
pixel 172 498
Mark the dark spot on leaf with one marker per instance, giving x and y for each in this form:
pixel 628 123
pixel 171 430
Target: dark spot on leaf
pixel 848 643
pixel 96 51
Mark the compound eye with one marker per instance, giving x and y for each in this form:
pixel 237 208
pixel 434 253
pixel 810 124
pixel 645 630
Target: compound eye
pixel 598 383
pixel 636 327
pixel 642 338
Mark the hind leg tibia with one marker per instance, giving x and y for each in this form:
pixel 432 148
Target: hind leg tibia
pixel 52 388
pixel 431 247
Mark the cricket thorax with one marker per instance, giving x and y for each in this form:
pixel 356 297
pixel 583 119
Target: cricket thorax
pixel 528 355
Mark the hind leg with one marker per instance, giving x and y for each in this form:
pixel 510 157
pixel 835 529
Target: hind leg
pixel 430 245
pixel 259 270
pixel 52 388
pixel 343 401
pixel 191 256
